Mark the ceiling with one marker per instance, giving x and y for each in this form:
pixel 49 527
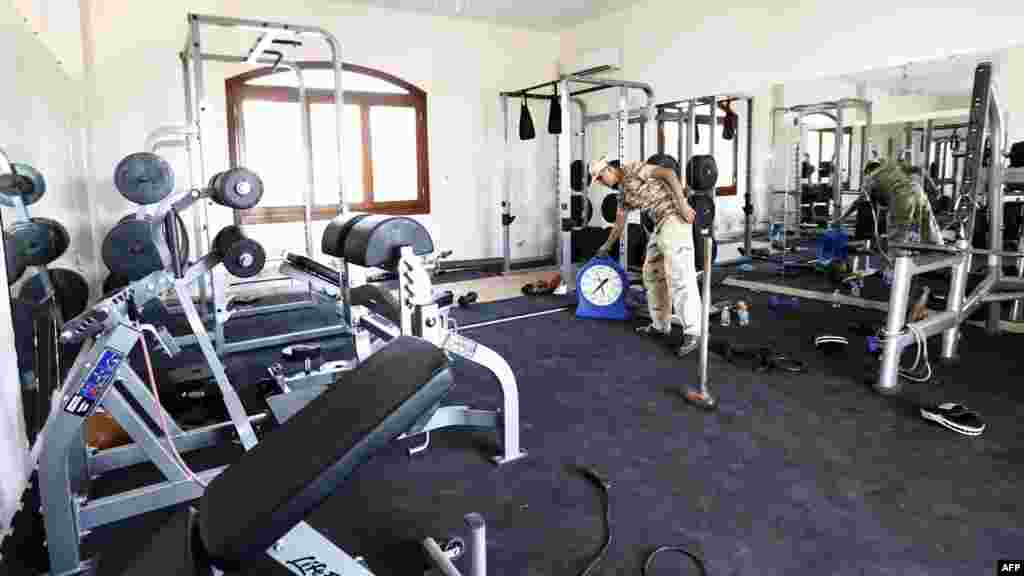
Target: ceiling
pixel 549 15
pixel 953 76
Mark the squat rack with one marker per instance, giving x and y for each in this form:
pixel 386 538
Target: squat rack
pixel 836 111
pixel 263 52
pixel 937 145
pixel 565 224
pixel 684 113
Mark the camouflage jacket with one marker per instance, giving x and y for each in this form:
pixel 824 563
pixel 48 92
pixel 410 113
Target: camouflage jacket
pixel 642 191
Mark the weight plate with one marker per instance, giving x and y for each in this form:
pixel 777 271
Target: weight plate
pixel 25 181
pixel 144 178
pixel 581 209
pixel 238 188
pixel 15 266
pixel 70 290
pixel 113 283
pixel 665 161
pixel 576 172
pixel 39 241
pixel 610 207
pixel 128 249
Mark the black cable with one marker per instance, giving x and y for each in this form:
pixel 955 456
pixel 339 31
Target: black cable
pixel 605 485
pixel 696 559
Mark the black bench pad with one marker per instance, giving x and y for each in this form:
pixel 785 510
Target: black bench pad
pixel 291 471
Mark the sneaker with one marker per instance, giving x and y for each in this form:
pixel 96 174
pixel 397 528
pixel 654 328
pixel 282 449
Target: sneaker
pixel 652 331
pixel 690 343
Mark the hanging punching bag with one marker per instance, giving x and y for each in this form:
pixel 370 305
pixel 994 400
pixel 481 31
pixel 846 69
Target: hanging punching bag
pixel 526 131
pixel 555 115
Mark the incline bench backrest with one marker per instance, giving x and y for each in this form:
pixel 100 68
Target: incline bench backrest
pixel 291 471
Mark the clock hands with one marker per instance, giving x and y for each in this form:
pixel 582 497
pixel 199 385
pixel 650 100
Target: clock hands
pixel 601 285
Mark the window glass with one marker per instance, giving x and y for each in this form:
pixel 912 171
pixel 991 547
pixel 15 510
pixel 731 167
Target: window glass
pixel 393 144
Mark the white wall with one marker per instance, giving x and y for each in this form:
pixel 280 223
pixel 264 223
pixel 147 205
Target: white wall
pixel 461 64
pixel 39 125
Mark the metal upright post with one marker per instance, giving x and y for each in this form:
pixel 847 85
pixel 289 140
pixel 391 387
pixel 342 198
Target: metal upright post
pixel 712 136
pixel 565 225
pixel 929 129
pixel 622 129
pixel 995 208
pixel 680 137
pixel 837 169
pixel 506 208
pixel 955 299
pixel 748 207
pixel 691 127
pixel 888 376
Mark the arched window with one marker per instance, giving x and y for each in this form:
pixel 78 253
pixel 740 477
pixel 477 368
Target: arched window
pixel 384 160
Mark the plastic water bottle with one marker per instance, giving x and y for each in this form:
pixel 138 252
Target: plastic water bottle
pixel 835 298
pixel 742 313
pixel 726 316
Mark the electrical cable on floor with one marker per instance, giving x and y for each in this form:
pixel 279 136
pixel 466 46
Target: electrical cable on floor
pixel 605 486
pixel 921 341
pixel 681 550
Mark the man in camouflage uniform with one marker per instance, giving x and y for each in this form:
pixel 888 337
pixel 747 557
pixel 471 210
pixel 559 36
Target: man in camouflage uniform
pixel 910 218
pixel 669 273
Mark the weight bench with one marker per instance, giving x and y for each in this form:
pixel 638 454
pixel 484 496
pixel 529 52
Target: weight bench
pixel 398 245
pixel 258 504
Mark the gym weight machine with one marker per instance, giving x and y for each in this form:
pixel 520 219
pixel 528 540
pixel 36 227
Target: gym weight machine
pixel 566 222
pixel 400 245
pixel 910 259
pixel 836 111
pixel 102 377
pixel 238 520
pixel 265 51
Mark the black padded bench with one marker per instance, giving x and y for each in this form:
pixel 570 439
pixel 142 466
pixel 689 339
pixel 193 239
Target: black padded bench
pixel 274 486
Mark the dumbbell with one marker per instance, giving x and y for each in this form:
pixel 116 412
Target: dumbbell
pixel 238 188
pixel 242 256
pixel 466 299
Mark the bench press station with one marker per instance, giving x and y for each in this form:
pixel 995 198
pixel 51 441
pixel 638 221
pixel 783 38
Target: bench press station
pixel 237 519
pixel 399 245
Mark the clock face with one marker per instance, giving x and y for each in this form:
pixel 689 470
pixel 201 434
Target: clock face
pixel 601 285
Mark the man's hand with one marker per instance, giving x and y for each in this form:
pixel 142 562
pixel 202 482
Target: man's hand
pixel 689 214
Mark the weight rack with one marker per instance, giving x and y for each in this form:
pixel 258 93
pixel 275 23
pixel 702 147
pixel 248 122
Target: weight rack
pixel 193 59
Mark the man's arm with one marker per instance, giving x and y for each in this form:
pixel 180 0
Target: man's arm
pixel 678 193
pixel 616 232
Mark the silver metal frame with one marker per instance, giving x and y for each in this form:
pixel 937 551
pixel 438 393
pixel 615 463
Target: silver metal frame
pixel 66 466
pixel 836 111
pixel 422 318
pixel 193 60
pixel 686 117
pixel 564 157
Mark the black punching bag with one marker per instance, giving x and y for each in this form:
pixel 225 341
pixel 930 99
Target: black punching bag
pixel 526 131
pixel 555 115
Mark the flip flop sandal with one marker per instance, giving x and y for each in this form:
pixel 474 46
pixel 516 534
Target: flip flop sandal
pixel 956 417
pixel 779 361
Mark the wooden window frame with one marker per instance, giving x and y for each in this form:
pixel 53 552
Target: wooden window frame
pixel 238 90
